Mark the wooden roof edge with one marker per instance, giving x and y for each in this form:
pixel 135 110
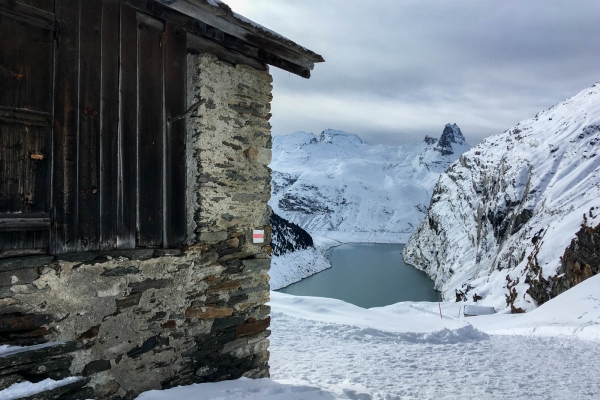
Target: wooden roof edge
pixel 220 15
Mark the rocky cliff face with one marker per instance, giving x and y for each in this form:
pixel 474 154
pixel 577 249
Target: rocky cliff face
pixel 295 255
pixel 338 186
pixel 511 206
pixel 580 261
pixel 288 237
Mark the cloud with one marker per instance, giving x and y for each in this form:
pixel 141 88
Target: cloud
pixel 396 70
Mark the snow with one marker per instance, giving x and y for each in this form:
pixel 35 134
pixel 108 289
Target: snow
pixel 294 266
pixel 335 185
pixel 24 389
pixel 244 388
pixel 328 349
pixel 548 166
pixel 573 314
pixel 340 189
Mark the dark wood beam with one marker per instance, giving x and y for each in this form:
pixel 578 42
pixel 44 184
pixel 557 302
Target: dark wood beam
pixel 223 18
pixel 27 13
pixel 24 116
pixel 24 222
pixel 204 45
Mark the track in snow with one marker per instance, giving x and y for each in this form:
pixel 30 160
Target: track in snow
pixel 391 367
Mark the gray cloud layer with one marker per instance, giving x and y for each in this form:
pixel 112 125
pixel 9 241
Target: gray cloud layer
pixel 396 70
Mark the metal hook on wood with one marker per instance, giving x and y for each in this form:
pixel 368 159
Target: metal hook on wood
pixel 186 112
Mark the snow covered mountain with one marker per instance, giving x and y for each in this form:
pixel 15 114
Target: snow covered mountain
pixel 503 215
pixel 336 185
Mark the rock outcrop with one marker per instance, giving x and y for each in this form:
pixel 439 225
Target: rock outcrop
pixel 288 237
pixel 580 261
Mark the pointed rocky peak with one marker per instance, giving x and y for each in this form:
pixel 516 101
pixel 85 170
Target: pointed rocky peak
pixel 451 136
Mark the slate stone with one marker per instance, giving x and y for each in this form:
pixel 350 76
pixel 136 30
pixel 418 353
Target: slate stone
pixel 252 328
pixel 96 366
pixel 213 237
pixel 148 345
pixel 256 264
pixel 18 322
pixel 84 393
pixel 54 369
pixel 261 288
pixel 167 252
pixel 133 254
pixel 122 271
pixel 90 333
pixel 11 264
pixel 128 301
pixel 248 197
pixel 5 292
pixel 226 285
pixel 8 380
pixel 149 284
pixel 158 316
pixel 76 257
pixel 18 277
pixel 39 354
pixel 170 324
pixel 220 324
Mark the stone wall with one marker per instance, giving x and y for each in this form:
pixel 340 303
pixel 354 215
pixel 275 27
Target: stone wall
pixel 133 320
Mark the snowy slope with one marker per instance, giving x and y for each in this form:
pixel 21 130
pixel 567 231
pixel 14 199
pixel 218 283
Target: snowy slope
pixel 295 254
pixel 512 204
pixel 327 349
pixel 338 186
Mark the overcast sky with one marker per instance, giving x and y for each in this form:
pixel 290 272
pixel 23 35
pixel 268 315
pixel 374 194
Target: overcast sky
pixel 397 70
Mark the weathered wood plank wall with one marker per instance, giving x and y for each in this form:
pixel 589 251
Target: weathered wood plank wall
pixel 175 102
pixel 25 130
pixel 110 80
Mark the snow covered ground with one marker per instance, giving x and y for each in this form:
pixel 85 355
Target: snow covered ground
pixel 328 349
pixel 294 266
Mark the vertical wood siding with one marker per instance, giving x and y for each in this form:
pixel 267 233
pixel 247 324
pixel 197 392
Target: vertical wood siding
pixel 26 70
pixel 91 144
pixel 175 79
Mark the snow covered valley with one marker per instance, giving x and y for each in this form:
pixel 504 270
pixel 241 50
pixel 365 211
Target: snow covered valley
pixel 337 188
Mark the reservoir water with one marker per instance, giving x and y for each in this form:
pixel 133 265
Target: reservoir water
pixel 367 275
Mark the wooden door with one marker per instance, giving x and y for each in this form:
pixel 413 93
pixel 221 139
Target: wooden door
pixel 26 86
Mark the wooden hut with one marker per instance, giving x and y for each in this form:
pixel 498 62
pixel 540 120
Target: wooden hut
pixel 134 144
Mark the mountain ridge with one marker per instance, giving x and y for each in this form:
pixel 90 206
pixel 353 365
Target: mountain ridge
pixel 336 185
pixel 502 215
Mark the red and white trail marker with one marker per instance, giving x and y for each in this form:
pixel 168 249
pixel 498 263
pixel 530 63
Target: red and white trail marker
pixel 258 236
